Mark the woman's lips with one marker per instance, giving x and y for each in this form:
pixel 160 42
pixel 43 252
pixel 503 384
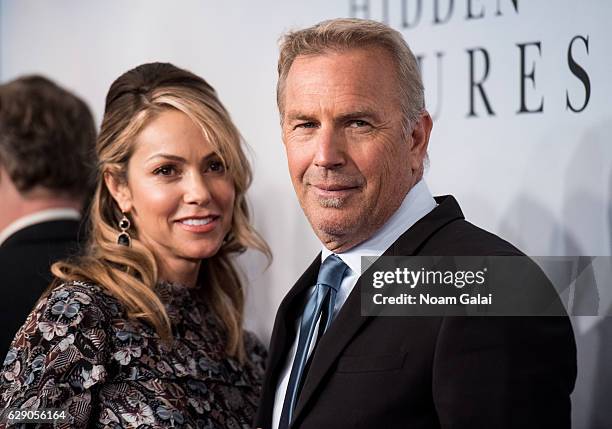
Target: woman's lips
pixel 199 225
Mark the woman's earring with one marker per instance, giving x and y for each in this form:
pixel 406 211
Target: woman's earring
pixel 124 238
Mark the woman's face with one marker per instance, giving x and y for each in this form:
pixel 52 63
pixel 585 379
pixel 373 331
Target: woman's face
pixel 178 194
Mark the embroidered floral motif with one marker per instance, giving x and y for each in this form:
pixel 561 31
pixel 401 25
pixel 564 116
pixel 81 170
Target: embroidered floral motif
pixel 78 351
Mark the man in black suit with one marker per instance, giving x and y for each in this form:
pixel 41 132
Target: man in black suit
pixel 47 138
pixel 356 132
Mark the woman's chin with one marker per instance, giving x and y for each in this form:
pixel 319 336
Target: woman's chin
pixel 203 252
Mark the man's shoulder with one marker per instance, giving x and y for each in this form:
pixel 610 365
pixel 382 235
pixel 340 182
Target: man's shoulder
pixel 26 256
pixel 461 237
pixel 445 232
pixel 44 233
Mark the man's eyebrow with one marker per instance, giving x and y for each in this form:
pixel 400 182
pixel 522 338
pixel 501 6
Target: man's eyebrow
pixel 295 115
pixel 357 114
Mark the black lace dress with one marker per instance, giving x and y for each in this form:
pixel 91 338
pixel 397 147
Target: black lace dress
pixel 77 351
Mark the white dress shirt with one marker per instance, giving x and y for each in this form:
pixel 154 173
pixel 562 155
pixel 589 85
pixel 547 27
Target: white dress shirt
pixel 416 204
pixel 38 217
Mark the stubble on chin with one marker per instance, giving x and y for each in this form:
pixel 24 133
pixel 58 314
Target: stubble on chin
pixel 331 227
pixel 332 218
pixel 331 203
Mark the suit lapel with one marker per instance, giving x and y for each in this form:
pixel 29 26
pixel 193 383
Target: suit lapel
pixel 283 335
pixel 289 311
pixel 347 323
pixel 349 320
pixel 410 242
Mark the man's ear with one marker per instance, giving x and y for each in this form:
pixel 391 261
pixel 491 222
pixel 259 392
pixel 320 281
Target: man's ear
pixel 119 191
pixel 420 140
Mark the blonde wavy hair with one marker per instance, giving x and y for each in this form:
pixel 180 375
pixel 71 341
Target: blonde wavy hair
pixel 130 273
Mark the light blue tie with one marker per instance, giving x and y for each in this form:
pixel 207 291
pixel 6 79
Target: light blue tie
pixel 328 282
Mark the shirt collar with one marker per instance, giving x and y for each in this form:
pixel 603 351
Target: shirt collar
pixel 38 217
pixel 416 204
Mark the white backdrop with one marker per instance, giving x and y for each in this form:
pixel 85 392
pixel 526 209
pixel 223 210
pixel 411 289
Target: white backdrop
pixel 541 180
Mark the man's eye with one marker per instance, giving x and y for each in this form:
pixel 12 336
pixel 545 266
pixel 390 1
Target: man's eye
pixel 216 167
pixel 306 125
pixel 165 170
pixel 357 123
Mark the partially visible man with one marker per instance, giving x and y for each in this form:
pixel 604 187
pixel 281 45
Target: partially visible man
pixel 47 138
pixel 356 132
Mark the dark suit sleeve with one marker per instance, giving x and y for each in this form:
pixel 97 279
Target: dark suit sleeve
pixel 504 372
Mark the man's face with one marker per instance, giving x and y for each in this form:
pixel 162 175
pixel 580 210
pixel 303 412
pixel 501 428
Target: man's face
pixel 350 161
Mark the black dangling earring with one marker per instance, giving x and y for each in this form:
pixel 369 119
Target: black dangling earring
pixel 124 238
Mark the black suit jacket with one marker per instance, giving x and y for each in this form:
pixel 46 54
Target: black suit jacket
pixel 25 259
pixel 428 372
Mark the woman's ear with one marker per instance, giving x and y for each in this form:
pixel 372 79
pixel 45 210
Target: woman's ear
pixel 119 191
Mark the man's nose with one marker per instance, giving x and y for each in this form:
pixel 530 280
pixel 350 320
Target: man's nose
pixel 196 190
pixel 330 149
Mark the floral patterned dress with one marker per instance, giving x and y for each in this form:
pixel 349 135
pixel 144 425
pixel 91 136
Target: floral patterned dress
pixel 78 352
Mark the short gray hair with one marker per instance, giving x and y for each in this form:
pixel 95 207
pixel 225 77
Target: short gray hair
pixel 337 35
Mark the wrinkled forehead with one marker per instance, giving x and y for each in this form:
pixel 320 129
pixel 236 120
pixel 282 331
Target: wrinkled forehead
pixel 346 62
pixel 357 79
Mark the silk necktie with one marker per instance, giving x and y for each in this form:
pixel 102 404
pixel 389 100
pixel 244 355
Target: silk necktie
pixel 328 282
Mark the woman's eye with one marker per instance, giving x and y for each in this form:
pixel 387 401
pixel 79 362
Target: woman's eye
pixel 165 170
pixel 216 167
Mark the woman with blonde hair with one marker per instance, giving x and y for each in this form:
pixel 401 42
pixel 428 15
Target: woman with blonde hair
pixel 145 329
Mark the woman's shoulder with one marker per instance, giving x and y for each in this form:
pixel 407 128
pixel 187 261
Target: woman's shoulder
pixel 80 288
pixel 72 299
pixel 65 342
pixel 72 305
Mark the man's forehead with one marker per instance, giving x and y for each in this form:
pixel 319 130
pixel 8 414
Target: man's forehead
pixel 356 70
pixel 342 64
pixel 320 85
